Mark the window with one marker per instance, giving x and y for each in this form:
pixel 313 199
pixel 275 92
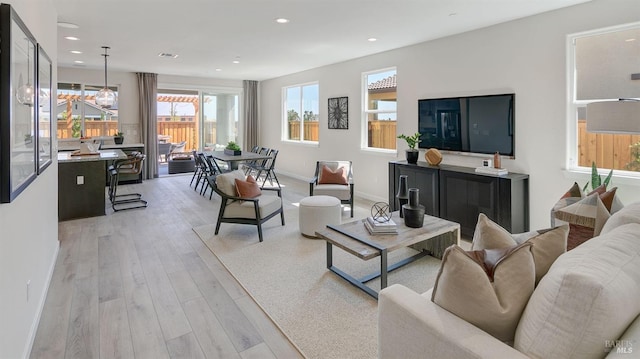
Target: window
pixel 601 65
pixel 380 95
pixel 78 115
pixel 301 113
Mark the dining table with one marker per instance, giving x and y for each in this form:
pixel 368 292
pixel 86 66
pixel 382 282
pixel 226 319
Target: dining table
pixel 234 160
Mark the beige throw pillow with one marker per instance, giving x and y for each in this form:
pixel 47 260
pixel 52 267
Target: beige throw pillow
pixel 488 288
pixel 547 244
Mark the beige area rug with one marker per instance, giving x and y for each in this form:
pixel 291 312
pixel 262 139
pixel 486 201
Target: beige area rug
pixel 321 313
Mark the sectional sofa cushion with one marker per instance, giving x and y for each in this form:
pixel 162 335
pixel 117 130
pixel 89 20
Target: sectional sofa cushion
pixel 546 244
pixel 628 214
pixel 589 296
pixel 487 288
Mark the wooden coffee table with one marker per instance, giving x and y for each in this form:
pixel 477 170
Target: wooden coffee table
pixel 431 239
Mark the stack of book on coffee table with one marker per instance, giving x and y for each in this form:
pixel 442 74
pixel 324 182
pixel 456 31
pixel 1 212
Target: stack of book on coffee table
pixel 375 227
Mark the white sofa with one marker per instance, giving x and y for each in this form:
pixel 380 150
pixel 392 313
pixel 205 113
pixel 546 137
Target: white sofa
pixel 586 306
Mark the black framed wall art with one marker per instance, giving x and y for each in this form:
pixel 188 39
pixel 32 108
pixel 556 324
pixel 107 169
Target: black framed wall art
pixel 17 105
pixel 44 117
pixel 338 113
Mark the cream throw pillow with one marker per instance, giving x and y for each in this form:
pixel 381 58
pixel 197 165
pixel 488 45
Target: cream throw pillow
pixel 489 289
pixel 227 184
pixel 547 244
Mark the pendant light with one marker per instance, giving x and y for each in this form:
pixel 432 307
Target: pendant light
pixel 24 94
pixel 105 97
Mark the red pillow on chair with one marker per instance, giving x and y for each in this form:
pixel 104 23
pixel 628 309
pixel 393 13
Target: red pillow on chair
pixel 327 176
pixel 248 188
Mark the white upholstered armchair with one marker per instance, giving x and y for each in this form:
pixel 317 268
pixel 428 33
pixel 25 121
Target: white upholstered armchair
pixel 253 210
pixel 333 178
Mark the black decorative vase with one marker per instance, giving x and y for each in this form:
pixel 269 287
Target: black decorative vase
pixel 412 156
pixel 413 211
pixel 403 193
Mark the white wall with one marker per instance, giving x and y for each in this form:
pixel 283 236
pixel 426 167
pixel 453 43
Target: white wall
pixel 29 225
pixel 526 56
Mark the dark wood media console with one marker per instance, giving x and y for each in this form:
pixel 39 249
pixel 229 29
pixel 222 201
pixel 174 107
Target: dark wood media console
pixel 459 194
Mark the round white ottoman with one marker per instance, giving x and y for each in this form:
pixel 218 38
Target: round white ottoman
pixel 318 211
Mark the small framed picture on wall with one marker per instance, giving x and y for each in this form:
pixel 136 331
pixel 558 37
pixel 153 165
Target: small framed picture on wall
pixel 338 113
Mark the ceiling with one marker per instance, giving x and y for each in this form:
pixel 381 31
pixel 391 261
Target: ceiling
pixel 209 35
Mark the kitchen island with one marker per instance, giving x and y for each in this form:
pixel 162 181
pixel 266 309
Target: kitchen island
pixel 82 183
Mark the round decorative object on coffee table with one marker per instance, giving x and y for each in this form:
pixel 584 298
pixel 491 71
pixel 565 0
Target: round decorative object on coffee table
pixel 380 212
pixel 433 156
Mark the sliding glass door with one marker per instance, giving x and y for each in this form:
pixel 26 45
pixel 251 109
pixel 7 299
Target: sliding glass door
pixel 220 119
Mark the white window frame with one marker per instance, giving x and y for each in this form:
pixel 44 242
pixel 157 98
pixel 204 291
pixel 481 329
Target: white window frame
pixel 573 104
pixel 285 120
pixel 364 135
pixel 83 85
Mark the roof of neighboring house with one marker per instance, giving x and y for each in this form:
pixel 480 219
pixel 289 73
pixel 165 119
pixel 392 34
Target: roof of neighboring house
pixel 386 83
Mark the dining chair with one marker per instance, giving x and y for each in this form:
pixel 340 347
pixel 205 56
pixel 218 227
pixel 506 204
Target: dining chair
pixel 268 169
pixel 252 165
pixel 213 170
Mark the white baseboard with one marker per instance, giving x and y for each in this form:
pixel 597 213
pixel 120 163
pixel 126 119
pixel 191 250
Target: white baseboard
pixel 34 325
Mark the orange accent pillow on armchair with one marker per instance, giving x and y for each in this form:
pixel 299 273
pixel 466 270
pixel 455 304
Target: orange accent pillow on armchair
pixel 248 188
pixel 327 176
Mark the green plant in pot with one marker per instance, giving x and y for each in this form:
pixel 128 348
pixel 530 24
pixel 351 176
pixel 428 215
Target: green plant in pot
pixel 118 138
pixel 412 141
pixel 232 149
pixel 596 180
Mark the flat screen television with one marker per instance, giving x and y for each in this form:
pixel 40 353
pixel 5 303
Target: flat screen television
pixel 473 124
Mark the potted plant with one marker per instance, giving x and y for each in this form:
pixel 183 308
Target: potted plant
pixel 596 180
pixel 412 141
pixel 118 138
pixel 232 149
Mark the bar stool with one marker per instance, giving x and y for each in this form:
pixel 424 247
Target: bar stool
pixel 121 202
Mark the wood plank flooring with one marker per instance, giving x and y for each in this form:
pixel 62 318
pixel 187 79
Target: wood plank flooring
pixel 141 284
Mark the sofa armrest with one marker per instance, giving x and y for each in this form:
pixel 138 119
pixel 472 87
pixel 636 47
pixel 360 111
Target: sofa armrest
pixel 410 325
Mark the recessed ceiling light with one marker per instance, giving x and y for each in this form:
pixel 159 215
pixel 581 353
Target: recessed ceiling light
pixel 282 20
pixel 236 61
pixel 68 25
pixel 372 39
pixel 453 14
pixel 72 38
pixel 79 62
pixel 165 54
pixel 218 70
pixel 629 40
pixel 75 52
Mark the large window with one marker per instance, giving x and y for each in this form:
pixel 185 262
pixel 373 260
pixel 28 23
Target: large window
pixel 78 114
pixel 379 104
pixel 201 119
pixel 301 112
pixel 601 66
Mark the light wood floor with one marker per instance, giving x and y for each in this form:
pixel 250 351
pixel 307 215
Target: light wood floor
pixel 141 284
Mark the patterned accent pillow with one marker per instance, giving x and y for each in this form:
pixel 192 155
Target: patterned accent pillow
pixel 487 288
pixel 589 212
pixel 328 176
pixel 248 188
